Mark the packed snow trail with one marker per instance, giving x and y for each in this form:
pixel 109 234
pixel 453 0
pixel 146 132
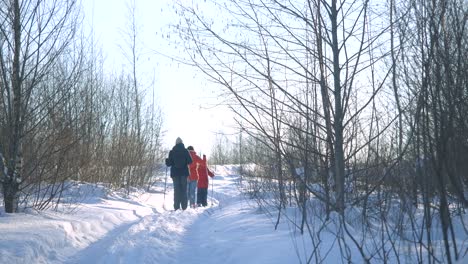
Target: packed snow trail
pixel 116 227
pixel 152 238
pixel 199 235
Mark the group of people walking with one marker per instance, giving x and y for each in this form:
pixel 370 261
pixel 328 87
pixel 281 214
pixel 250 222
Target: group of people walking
pixel 189 175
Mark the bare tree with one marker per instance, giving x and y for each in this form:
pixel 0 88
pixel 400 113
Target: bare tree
pixel 136 141
pixel 36 38
pixel 314 77
pixel 437 48
pixel 62 118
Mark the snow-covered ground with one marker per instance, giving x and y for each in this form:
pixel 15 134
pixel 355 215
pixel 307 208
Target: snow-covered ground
pixel 110 227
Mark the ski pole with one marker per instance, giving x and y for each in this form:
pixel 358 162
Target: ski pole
pixel 165 185
pixel 211 190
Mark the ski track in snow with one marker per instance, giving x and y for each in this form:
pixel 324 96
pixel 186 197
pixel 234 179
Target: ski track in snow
pixel 163 237
pixel 112 227
pixel 136 228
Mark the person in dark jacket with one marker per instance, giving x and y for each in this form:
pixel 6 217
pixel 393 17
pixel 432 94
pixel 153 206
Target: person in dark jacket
pixel 203 183
pixel 179 159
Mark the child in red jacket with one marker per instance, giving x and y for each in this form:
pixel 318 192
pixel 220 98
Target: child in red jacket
pixel 202 190
pixel 193 177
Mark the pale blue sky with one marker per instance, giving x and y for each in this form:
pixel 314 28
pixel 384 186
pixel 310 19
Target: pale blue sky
pixel 184 96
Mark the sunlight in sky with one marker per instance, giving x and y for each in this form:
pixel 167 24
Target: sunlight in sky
pixel 189 103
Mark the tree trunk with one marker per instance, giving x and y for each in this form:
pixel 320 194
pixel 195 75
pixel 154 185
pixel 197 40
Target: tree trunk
pixel 338 124
pixel 10 196
pixel 14 165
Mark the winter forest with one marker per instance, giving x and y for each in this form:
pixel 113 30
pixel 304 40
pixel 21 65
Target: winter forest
pixel 351 120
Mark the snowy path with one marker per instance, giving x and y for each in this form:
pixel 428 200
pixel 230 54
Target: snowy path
pixel 237 233
pixel 167 236
pixel 229 230
pixel 152 238
pixel 114 228
pixel 155 238
pixel 215 234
